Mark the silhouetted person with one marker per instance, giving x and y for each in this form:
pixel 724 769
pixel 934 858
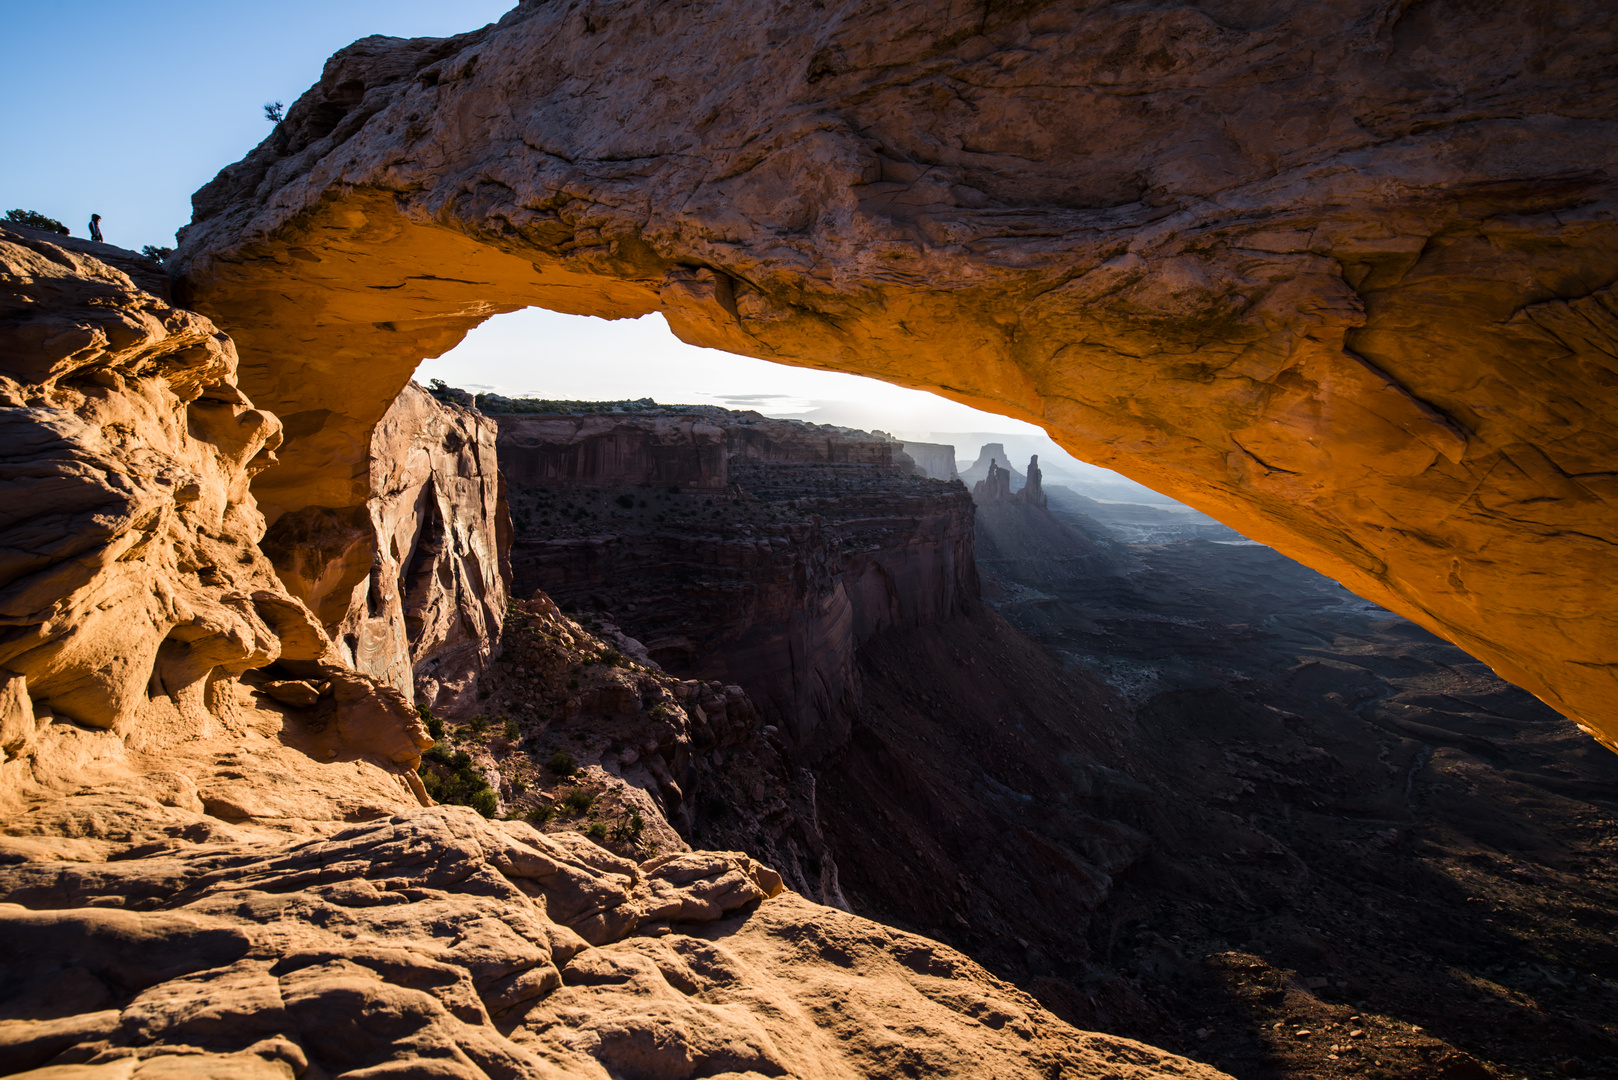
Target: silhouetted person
pixel 95 228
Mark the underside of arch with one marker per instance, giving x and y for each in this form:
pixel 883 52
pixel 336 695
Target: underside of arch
pixel 1339 275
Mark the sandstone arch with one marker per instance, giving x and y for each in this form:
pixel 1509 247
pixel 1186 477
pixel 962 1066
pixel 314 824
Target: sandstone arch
pixel 1341 274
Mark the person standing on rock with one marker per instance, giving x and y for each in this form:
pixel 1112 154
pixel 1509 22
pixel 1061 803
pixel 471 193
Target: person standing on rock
pixel 95 228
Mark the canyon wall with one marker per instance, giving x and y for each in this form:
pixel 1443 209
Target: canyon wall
pixel 559 449
pixel 412 584
pixel 934 460
pixel 769 569
pixel 1339 275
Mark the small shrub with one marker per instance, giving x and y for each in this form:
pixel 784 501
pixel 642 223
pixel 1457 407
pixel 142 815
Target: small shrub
pixel 626 501
pixel 478 726
pixel 578 801
pixel 512 732
pixel 435 726
pixel 629 830
pixel 157 254
pixel 539 815
pixel 562 763
pixel 35 220
pixel 274 112
pixel 451 779
pixel 597 830
pixel 612 658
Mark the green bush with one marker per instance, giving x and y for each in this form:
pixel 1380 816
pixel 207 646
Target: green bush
pixel 629 829
pixel 478 726
pixel 562 763
pixel 451 779
pixel 435 726
pixel 578 801
pixel 35 220
pixel 484 802
pixel 512 731
pixel 597 830
pixel 157 254
pixel 539 815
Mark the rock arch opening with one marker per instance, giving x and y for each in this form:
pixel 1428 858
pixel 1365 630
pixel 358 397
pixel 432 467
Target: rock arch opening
pixel 1376 333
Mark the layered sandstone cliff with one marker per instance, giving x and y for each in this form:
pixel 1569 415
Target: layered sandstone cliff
pixel 412 584
pixel 934 460
pixel 812 540
pixel 1341 276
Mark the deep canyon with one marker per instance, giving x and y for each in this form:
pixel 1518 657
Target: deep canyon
pixel 357 729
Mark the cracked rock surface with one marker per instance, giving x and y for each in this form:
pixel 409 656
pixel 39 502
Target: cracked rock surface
pixel 435 943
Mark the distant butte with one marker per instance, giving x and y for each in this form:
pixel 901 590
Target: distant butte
pixel 1342 277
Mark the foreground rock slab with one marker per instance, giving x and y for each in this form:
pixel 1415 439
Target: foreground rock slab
pixel 1340 275
pixel 435 943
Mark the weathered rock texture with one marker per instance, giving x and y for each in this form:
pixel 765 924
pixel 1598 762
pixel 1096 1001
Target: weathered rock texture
pixel 1340 274
pixel 434 943
pixel 412 585
pixel 133 591
pixel 812 540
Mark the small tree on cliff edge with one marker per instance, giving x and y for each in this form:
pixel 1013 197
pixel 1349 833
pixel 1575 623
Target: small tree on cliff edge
pixel 35 220
pixel 274 112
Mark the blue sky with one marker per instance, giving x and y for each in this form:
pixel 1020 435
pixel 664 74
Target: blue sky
pixel 126 109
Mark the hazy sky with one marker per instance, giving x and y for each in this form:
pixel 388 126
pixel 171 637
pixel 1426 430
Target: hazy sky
pixel 569 356
pixel 126 109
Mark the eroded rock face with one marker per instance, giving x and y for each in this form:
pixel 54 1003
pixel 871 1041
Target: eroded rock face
pixel 434 940
pixel 412 585
pixel 1340 275
pixel 132 569
pixel 133 589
